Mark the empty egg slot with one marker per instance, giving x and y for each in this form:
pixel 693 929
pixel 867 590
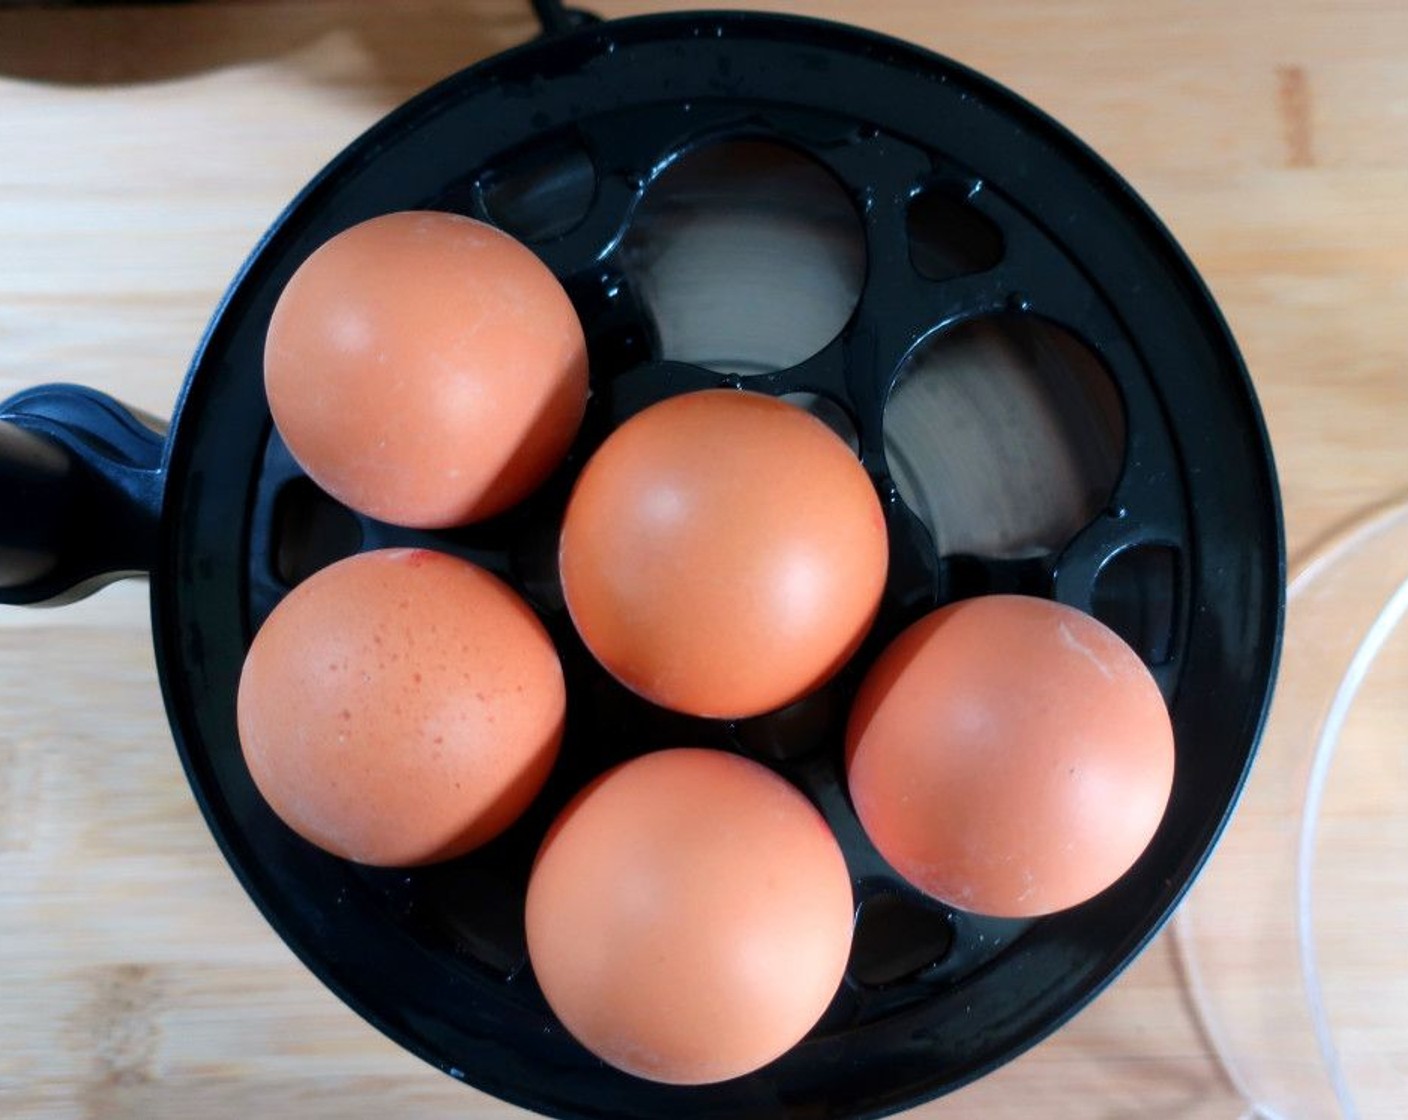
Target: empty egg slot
pixel 311 531
pixel 896 938
pixel 540 192
pixel 748 255
pixel 1005 435
pixel 1136 596
pixel 948 237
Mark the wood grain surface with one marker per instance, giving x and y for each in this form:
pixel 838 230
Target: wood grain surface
pixel 142 153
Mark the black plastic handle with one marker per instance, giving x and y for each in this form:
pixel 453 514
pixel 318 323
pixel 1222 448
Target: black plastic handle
pixel 81 480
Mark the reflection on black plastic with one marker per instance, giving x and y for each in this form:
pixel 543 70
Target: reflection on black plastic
pixel 829 412
pixel 542 192
pixel 896 938
pixel 793 731
pixel 1136 596
pixel 311 531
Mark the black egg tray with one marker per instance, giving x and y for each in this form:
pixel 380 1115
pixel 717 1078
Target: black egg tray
pixel 897 308
pixel 1183 559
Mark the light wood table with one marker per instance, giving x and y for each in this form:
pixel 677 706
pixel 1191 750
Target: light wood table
pixel 142 152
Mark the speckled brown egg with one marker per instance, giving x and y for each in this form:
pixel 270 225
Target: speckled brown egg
pixel 400 707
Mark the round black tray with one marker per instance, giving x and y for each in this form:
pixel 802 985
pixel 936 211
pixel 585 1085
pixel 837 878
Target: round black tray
pixel 435 957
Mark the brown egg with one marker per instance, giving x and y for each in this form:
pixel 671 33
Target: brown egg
pixel 723 553
pixel 1010 755
pixel 425 369
pixel 689 916
pixel 400 707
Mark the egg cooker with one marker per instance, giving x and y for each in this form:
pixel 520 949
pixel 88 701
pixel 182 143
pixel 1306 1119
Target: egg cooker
pixel 1185 559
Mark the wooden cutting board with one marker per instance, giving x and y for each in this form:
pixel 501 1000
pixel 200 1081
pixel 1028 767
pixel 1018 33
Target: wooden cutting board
pixel 143 151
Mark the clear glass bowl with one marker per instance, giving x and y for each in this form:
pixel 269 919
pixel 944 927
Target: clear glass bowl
pixel 1295 940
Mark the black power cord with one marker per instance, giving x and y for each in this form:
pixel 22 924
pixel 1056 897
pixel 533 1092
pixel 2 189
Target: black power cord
pixel 557 19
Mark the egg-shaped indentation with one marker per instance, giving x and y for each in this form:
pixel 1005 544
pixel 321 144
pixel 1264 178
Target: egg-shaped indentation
pixel 748 255
pixel 1004 435
pixel 1136 596
pixel 540 191
pixel 311 531
pixel 948 237
pixel 895 938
